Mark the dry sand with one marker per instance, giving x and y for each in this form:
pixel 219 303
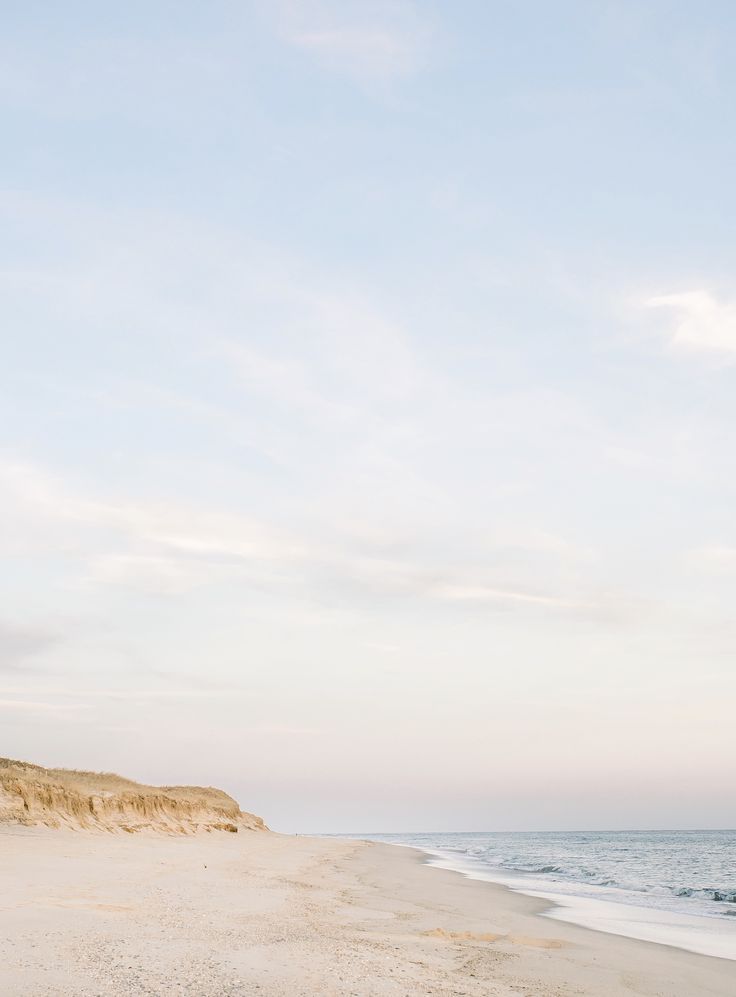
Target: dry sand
pixel 92 913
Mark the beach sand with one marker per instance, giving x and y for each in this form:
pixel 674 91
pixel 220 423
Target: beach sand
pixel 93 913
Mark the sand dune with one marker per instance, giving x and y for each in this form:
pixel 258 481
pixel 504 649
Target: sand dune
pixel 32 795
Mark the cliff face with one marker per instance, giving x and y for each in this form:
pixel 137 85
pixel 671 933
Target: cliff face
pixel 32 795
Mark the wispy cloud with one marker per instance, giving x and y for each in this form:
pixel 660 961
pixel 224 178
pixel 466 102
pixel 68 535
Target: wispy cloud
pixel 118 695
pixel 488 594
pixel 171 548
pixel 283 730
pixel 721 557
pixel 30 706
pixel 337 361
pixel 165 547
pixel 698 321
pixel 373 43
pixel 176 528
pixel 367 51
pixel 19 643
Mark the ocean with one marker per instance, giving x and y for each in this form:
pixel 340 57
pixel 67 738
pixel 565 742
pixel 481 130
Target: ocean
pixel 676 887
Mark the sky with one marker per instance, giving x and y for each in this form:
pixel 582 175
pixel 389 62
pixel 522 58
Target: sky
pixel 367 406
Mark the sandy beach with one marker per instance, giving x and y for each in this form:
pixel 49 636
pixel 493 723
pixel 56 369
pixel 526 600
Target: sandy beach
pixel 367 391
pixel 93 913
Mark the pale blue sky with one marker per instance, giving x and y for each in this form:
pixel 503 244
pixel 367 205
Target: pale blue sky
pixel 367 406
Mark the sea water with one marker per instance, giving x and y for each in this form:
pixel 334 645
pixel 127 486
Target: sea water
pixel 676 887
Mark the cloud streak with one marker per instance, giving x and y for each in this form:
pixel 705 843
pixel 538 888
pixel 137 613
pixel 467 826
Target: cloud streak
pixel 30 706
pixel 699 322
pixel 21 643
pixel 371 43
pixel 172 548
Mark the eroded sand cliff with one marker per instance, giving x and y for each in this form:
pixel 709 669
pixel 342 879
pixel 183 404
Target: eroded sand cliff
pixel 32 795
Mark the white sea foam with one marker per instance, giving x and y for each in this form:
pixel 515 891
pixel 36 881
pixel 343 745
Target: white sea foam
pixel 672 887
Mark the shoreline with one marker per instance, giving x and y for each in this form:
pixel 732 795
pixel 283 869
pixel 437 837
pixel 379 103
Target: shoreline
pixel 695 933
pixel 225 915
